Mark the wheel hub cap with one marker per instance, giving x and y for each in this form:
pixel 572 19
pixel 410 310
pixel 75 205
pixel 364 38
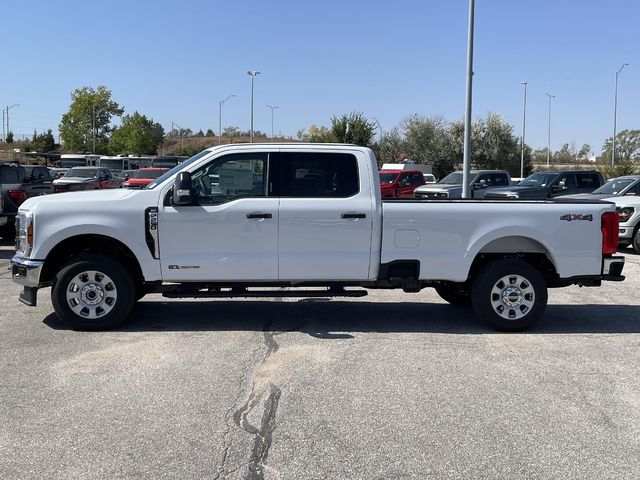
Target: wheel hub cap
pixel 91 294
pixel 512 297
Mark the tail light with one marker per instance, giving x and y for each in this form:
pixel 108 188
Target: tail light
pixel 610 224
pixel 18 196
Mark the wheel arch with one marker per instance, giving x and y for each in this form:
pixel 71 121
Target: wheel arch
pixel 79 245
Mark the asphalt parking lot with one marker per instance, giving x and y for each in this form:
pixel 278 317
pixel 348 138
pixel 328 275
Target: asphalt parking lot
pixel 389 386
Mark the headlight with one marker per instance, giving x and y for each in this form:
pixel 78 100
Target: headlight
pixel 624 213
pixel 24 234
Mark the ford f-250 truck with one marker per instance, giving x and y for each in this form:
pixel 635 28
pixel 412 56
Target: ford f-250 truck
pixel 260 220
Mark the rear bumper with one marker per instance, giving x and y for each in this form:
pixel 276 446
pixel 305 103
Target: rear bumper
pixel 612 269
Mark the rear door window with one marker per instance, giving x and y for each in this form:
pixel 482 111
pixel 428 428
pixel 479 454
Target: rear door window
pixel 11 174
pixel 588 181
pixel 318 174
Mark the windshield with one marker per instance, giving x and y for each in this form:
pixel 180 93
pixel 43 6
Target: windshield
pixel 147 173
pixel 82 173
pixel 615 186
pixel 454 178
pixel 539 179
pixel 176 169
pixel 388 177
pixel 72 162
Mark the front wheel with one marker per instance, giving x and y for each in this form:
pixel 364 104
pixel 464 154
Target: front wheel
pixel 636 240
pixel 93 293
pixel 510 295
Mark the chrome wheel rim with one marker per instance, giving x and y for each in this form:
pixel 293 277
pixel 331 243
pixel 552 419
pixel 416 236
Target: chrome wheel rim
pixel 512 297
pixel 91 294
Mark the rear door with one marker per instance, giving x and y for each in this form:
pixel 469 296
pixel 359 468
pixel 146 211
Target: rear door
pixel 587 182
pixel 325 217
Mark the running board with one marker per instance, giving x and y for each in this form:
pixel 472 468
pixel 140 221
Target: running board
pixel 241 293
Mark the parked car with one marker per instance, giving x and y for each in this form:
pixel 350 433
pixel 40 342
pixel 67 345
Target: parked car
pixel 628 208
pixel 86 178
pixel 125 174
pixel 628 185
pixel 287 215
pixel 549 184
pixel 429 178
pixel 143 177
pixel 450 186
pixel 399 183
pixel 57 172
pixel 17 183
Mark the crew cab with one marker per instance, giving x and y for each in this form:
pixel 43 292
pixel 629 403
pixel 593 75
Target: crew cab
pixel 400 183
pixel 550 184
pixel 450 186
pixel 261 220
pixel 86 178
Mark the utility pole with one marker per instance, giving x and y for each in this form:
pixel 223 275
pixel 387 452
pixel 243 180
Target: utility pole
pixel 272 109
pixel 8 129
pixel 379 126
pixel 524 123
pixel 549 130
pixel 3 137
pixel 615 116
pixel 252 74
pixel 466 163
pixel 180 132
pixel 220 104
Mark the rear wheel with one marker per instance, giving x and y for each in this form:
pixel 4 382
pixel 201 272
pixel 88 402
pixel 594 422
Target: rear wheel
pixel 453 295
pixel 93 293
pixel 510 295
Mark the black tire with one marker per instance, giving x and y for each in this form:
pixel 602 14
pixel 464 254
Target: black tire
pixel 635 243
pixel 111 287
pixel 454 296
pixel 525 294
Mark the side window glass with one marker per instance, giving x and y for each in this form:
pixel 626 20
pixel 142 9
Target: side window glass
pixel 569 181
pixel 588 181
pixel 635 189
pixel 230 177
pixel 500 180
pixel 417 179
pixel 486 178
pixel 318 175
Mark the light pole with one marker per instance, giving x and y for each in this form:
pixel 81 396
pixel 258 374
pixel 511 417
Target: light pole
pixel 615 116
pixel 549 130
pixel 173 125
pixel 220 104
pixel 466 162
pixel 252 74
pixel 272 109
pixel 524 123
pixel 379 126
pixel 8 107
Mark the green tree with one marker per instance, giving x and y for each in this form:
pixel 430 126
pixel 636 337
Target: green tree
pixel 352 128
pixel 43 142
pixel 77 127
pixel 391 146
pixel 429 140
pixel 136 134
pixel 627 160
pixel 584 150
pixel 9 137
pixel 209 133
pixel 231 132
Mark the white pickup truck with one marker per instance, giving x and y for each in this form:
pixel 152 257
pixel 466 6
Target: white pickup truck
pixel 259 220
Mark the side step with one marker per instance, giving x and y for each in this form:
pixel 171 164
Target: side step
pixel 244 293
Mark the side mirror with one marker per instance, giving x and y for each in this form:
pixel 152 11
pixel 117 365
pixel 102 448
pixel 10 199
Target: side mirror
pixel 558 187
pixel 183 189
pixel 480 185
pixel 126 177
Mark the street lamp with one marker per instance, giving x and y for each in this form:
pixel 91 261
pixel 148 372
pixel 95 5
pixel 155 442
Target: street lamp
pixel 7 110
pixel 220 104
pixel 549 130
pixel 524 123
pixel 379 126
pixel 173 125
pixel 615 115
pixel 272 109
pixel 466 162
pixel 252 74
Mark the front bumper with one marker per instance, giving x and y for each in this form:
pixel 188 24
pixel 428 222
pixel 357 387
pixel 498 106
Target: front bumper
pixel 25 271
pixel 625 234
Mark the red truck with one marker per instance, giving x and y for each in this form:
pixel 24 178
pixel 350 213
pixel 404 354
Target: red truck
pixel 400 183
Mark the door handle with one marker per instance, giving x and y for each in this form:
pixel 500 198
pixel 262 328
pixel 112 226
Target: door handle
pixel 353 215
pixel 258 215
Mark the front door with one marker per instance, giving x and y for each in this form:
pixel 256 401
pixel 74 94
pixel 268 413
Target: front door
pixel 231 234
pixel 325 217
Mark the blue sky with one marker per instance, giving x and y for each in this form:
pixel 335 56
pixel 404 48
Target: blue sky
pixel 175 60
